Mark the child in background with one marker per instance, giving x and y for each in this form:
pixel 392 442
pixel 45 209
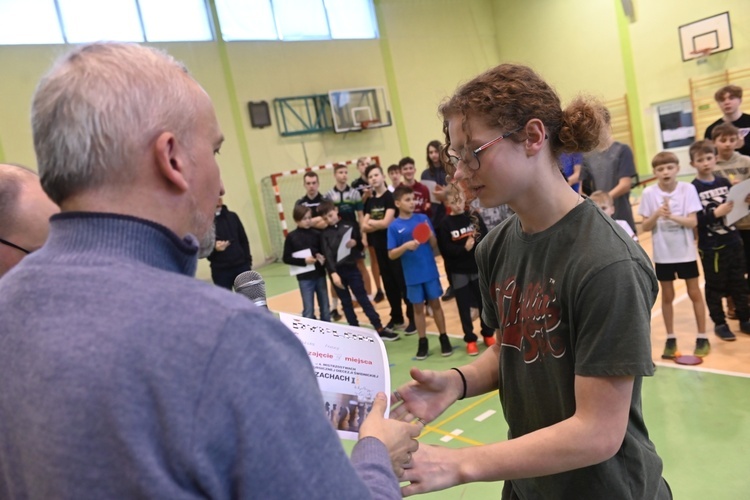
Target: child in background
pixel 313 282
pixel 669 210
pixel 421 193
pixel 457 238
pixel 394 174
pixel 362 185
pixel 420 271
pixel 380 211
pixel 344 273
pixel 607 205
pixel 735 167
pixel 719 245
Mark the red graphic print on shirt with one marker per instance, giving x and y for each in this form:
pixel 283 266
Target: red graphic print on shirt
pixel 529 317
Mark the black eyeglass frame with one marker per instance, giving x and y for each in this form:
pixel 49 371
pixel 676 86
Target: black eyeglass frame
pixel 455 159
pixel 6 242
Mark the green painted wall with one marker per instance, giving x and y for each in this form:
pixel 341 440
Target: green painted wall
pixel 428 47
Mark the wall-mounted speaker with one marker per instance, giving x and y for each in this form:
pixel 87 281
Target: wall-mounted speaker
pixel 259 115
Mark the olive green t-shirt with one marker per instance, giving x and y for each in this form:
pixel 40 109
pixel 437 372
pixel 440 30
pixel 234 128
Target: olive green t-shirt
pixel 574 299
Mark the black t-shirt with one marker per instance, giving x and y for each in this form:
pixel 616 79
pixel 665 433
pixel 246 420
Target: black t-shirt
pixel 311 203
pixel 742 123
pixel 376 207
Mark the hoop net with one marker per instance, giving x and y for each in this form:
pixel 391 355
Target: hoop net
pixel 702 55
pixel 365 124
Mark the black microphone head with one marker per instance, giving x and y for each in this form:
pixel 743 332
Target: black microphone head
pixel 251 285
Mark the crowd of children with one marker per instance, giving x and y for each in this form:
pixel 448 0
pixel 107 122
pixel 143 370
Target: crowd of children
pixel 380 216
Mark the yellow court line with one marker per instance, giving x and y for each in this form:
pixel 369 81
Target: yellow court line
pixel 435 428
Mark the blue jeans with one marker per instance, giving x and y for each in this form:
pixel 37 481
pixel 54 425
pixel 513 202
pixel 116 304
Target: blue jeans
pixel 308 289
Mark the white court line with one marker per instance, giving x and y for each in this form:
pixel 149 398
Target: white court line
pixel 700 369
pixel 453 433
pixel 484 416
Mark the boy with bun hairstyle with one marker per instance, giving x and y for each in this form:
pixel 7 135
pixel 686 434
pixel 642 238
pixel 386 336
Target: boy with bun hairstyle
pixel 570 354
pixel 669 210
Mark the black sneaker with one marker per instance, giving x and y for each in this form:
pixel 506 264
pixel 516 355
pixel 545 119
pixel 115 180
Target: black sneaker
pixel 446 349
pixel 724 333
pixel 423 349
pixel 388 335
pixel 670 349
pixel 411 329
pixel 395 326
pixel 448 295
pixel 379 297
pixel 335 316
pixel 745 327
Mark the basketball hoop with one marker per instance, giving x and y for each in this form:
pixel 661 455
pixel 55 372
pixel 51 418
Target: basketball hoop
pixel 365 124
pixel 701 55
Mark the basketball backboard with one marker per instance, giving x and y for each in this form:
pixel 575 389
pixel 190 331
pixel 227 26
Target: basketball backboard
pixel 357 109
pixel 705 37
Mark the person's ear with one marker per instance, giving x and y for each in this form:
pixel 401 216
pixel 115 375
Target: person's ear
pixel 170 160
pixel 536 135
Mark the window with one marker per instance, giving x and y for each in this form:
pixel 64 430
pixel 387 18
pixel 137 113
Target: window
pixel 26 22
pixel 79 21
pixel 292 20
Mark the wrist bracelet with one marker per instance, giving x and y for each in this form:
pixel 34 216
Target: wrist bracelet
pixel 463 379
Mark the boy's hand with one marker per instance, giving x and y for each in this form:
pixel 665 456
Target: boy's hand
pixel 723 209
pixel 221 245
pixel 320 258
pixel 664 210
pixel 469 243
pixel 412 245
pixel 310 260
pixel 337 280
pixel 351 244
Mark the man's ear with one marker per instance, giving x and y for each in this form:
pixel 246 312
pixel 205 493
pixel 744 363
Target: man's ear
pixel 536 134
pixel 169 158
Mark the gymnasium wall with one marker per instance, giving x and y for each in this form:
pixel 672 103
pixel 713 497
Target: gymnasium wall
pixel 427 48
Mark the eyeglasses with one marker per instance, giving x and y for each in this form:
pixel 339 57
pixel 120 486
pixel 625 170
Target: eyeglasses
pixel 473 163
pixel 5 242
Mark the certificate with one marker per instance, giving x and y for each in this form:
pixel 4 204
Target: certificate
pixel 344 251
pixel 351 365
pixel 737 194
pixel 431 186
pixel 301 254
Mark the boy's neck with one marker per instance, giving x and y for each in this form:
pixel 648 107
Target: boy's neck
pixel 455 212
pixel 312 197
pixel 725 155
pixel 709 177
pixel 409 183
pixel 380 189
pixel 734 116
pixel 341 186
pixel 402 215
pixel 668 187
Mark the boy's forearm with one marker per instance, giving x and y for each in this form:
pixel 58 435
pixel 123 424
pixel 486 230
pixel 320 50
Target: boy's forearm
pixel 650 222
pixel 397 252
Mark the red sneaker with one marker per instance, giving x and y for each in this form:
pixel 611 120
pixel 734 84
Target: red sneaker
pixel 489 341
pixel 472 349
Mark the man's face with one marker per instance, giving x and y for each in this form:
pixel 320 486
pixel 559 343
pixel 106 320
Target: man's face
pixel 728 104
pixel 726 144
pixel 311 186
pixel 408 172
pixel 205 180
pixel 32 224
pixel 341 175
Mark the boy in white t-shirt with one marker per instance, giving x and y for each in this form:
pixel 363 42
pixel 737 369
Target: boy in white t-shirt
pixel 669 210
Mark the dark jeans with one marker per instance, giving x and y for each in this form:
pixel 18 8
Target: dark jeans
pixel 351 278
pixel 724 270
pixel 225 277
pixel 745 234
pixel 309 289
pixel 395 286
pixel 466 288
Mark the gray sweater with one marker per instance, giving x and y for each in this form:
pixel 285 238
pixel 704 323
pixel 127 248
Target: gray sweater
pixel 121 376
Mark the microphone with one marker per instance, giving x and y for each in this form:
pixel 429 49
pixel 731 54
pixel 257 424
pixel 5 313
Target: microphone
pixel 251 285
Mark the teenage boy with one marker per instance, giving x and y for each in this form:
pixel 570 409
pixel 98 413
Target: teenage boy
pixel 394 174
pixel 362 185
pixel 720 246
pixel 457 237
pixel 669 210
pixel 735 167
pixel 344 273
pixel 729 99
pixel 380 211
pixel 348 201
pixel 313 282
pixel 419 268
pixel 312 199
pixel 421 192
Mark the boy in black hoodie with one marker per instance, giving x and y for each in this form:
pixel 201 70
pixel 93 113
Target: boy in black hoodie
pixel 344 272
pixel 457 237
